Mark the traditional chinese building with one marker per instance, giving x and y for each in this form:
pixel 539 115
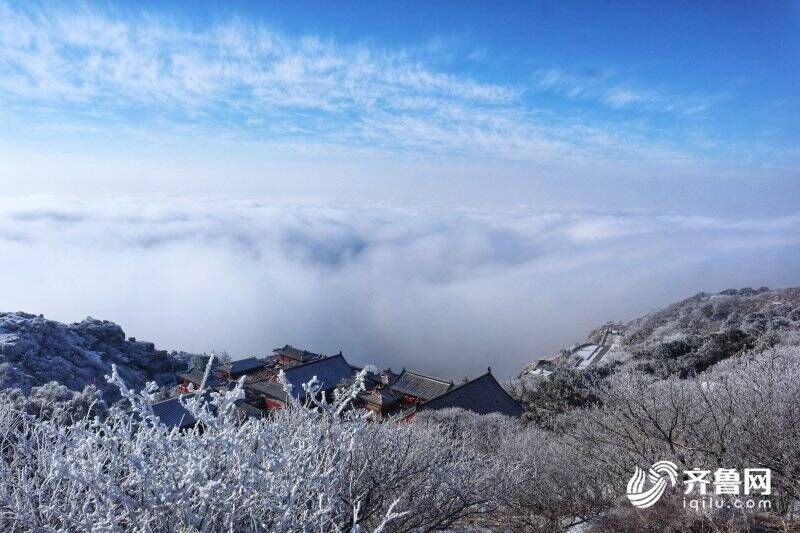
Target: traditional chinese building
pixel 173 414
pixel 242 367
pixel 385 392
pixel 381 401
pixel 482 395
pixel 414 388
pixel 289 355
pixel 192 379
pixel 329 372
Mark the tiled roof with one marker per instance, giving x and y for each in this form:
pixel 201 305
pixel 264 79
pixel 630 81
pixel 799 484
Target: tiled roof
pixel 196 376
pixel 420 386
pixel 273 389
pixel 172 414
pixel 482 395
pixel 244 365
pixel 294 353
pixel 372 380
pixel 265 374
pixel 382 397
pixel 329 373
pixel 389 375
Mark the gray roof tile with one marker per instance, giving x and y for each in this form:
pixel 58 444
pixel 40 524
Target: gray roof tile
pixel 172 414
pixel 482 395
pixel 294 353
pixel 244 365
pixel 329 373
pixel 420 386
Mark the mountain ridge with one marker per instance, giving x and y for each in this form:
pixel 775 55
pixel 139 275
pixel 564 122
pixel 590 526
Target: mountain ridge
pixel 683 337
pixel 35 350
pixel 736 319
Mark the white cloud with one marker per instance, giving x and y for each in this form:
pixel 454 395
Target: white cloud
pixel 448 291
pixel 622 97
pixel 81 55
pixel 94 70
pixel 604 88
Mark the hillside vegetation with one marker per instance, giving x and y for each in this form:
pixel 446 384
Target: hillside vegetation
pixel 729 399
pixel 692 335
pixel 757 312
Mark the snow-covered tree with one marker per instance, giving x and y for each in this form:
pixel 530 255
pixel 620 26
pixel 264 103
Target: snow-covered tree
pixel 320 467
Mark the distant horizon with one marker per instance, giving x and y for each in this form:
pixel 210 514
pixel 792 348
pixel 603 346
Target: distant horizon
pixel 459 181
pixel 387 284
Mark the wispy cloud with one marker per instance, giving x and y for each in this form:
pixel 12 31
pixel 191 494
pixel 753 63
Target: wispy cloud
pixel 603 86
pixel 91 80
pixel 89 68
pixel 90 58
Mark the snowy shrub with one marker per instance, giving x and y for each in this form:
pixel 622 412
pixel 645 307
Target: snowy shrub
pixel 744 412
pixel 550 487
pixel 563 390
pixel 320 467
pixel 572 465
pixel 53 401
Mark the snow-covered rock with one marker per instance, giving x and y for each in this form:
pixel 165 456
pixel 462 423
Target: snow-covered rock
pixel 35 350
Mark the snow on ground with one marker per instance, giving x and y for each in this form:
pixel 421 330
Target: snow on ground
pixel 587 355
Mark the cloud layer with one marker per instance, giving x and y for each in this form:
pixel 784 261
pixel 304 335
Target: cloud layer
pixel 450 292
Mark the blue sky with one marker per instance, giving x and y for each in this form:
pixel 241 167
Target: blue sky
pixel 673 106
pixel 497 178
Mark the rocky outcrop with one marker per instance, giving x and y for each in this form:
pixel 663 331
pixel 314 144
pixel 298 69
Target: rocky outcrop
pixel 35 350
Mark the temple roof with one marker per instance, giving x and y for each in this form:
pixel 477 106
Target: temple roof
pixel 173 414
pixel 482 395
pixel 196 376
pixel 244 365
pixel 383 397
pixel 291 352
pixel 329 373
pixel 420 386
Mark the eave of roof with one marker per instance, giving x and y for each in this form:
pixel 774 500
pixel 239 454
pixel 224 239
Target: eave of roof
pixel 420 385
pixel 273 389
pixel 172 414
pixel 244 365
pixel 481 395
pixel 379 397
pixel 297 354
pixel 328 371
pixel 196 376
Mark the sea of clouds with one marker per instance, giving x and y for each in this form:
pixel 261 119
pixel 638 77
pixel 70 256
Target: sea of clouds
pixel 447 291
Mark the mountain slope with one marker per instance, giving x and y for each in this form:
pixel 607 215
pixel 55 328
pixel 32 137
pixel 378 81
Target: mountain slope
pixel 35 350
pixel 754 311
pixel 690 335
